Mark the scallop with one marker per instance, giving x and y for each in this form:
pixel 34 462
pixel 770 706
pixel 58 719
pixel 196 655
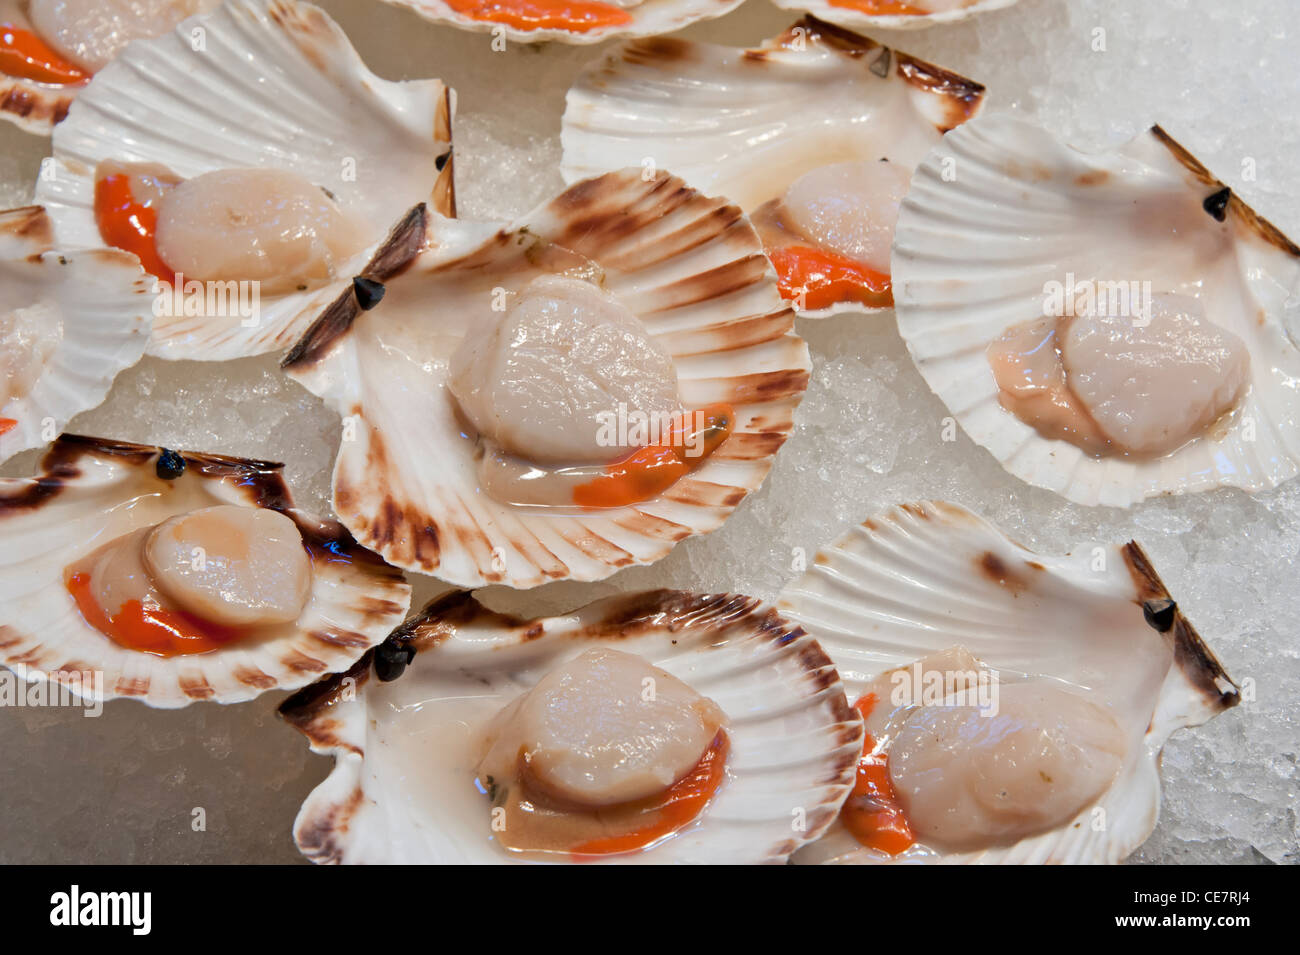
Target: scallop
pixel 1141 350
pixel 1015 703
pixel 968 778
pixel 625 297
pixel 92 33
pixel 794 131
pixel 603 729
pixel 236 566
pixel 286 202
pixel 850 208
pixel 179 577
pixel 564 353
pixel 269 226
pixel 648 728
pixel 69 323
pixel 1156 384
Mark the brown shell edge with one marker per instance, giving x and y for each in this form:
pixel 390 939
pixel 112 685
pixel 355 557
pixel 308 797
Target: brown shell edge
pixel 1252 220
pixel 262 481
pixel 963 94
pixel 35 108
pixel 1191 654
pixel 403 244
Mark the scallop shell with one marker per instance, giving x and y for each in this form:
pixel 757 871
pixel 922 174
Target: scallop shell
pixel 794 739
pixel 747 123
pixel 924 577
pixel 275 84
pixel 689 266
pixel 91 491
pixel 103 302
pixel 649 18
pixel 1001 208
pixel 35 107
pixel 847 16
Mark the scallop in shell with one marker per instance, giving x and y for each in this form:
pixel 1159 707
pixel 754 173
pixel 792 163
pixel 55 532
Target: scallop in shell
pixel 579 305
pixel 49 49
pixel 1161 299
pixel 893 14
pixel 69 322
pixel 80 529
pixel 262 149
pixel 569 21
pixel 793 131
pixel 1087 663
pixel 403 787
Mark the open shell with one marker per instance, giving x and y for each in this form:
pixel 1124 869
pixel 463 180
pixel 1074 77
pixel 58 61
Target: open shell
pixel 746 123
pixel 976 249
pixel 276 84
pixel 91 491
pixel 924 577
pixel 648 18
pixel 847 16
pixel 397 794
pixel 689 266
pixel 102 301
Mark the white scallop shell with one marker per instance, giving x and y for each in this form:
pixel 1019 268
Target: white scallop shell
pixel 924 577
pixel 276 84
pixel 102 300
pixel 91 491
pixel 746 123
pixel 974 253
pixel 689 266
pixel 402 791
pixel 859 20
pixel 649 18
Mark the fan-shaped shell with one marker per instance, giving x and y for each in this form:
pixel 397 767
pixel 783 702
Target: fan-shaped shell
pixel 646 18
pixel 102 304
pixel 924 577
pixel 257 83
pixel 1001 209
pixel 91 491
pixel 689 266
pixel 745 123
pixel 864 16
pixel 396 794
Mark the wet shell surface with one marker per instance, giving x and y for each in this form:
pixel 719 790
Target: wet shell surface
pixel 924 577
pixel 569 21
pixel 746 123
pixel 95 308
pixel 310 107
pixel 402 787
pixel 893 14
pixel 689 267
pixel 91 491
pixel 975 255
